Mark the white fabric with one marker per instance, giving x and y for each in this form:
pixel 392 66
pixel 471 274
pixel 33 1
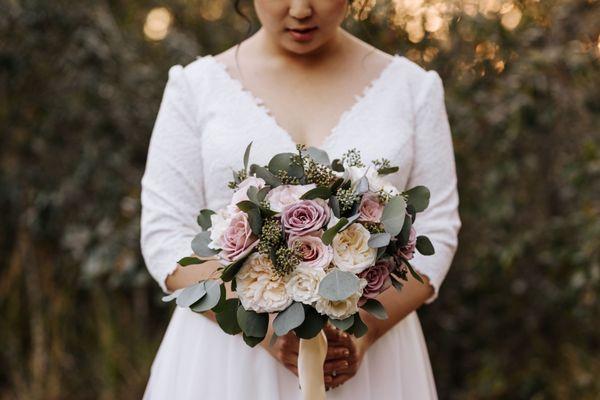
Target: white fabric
pixel 205 121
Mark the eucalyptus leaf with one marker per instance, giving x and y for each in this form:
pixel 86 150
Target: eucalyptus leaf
pixel 375 308
pixel 318 155
pixel 342 324
pixel 359 328
pixel 312 325
pixel 247 156
pixel 262 193
pixel 397 284
pixel 227 317
pixel 251 340
pixel 338 285
pixel 273 339
pixel 266 175
pixel 334 204
pixel 288 319
pixel 204 218
pixel 412 270
pixel 378 240
pixel 387 170
pixel 172 296
pixel 252 194
pixel 405 232
pixel 210 299
pixel 223 297
pixel 337 165
pixel 283 162
pixel 229 271
pixel 418 197
pixel 191 294
pixel 252 323
pixel 330 233
pixel 320 192
pixel 424 246
pixel 200 245
pixel 349 221
pixel 393 215
pixel 185 261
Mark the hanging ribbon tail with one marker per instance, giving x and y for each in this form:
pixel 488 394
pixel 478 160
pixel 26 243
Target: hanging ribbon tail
pixel 311 357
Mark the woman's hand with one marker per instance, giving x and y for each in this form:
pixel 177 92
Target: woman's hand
pixel 357 348
pixel 286 349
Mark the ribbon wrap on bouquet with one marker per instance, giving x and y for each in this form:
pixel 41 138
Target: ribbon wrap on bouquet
pixel 311 357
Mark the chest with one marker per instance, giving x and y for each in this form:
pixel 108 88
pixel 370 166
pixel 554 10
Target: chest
pixel 379 123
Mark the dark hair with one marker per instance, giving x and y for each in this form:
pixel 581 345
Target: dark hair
pixel 238 11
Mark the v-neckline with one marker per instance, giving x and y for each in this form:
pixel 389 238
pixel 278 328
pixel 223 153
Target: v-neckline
pixel 266 112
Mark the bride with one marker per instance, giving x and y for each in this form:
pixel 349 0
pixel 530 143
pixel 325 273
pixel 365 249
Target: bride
pixel 301 78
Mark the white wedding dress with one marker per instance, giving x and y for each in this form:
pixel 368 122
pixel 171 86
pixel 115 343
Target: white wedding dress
pixel 206 120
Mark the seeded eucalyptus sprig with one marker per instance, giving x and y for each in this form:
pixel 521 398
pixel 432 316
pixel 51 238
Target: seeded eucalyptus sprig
pixel 352 158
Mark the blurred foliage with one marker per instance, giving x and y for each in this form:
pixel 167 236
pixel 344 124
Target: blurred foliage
pixel 80 85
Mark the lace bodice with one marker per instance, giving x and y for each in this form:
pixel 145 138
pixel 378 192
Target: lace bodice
pixel 206 119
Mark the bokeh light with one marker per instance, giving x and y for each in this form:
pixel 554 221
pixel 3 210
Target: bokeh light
pixel 158 22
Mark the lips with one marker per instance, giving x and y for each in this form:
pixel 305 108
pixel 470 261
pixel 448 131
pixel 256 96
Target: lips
pixel 302 30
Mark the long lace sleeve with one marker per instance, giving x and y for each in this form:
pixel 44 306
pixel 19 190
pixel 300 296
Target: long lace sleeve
pixel 172 192
pixel 434 167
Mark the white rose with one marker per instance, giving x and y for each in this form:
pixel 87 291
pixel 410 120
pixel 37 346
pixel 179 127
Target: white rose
pixel 241 192
pixel 258 288
pixel 285 195
pixel 353 174
pixel 351 251
pixel 343 308
pixel 304 284
pixel 220 221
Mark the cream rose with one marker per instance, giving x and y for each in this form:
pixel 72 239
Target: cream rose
pixel 303 284
pixel 258 288
pixel 350 249
pixel 285 195
pixel 343 308
pixel 220 221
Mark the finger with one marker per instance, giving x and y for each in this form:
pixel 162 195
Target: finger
pixel 337 352
pixel 292 368
pixel 339 379
pixel 288 357
pixel 331 366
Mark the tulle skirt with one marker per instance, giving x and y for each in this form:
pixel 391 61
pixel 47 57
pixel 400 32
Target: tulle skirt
pixel 196 360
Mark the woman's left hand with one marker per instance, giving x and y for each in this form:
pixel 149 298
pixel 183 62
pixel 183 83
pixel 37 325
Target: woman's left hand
pixel 358 347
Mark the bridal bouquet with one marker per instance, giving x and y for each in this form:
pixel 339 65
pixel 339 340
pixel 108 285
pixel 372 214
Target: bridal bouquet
pixel 309 239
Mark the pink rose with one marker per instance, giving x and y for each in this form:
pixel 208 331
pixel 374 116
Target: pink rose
pixel 408 251
pixel 378 279
pixel 237 240
pixel 315 253
pixel 305 216
pixel 285 195
pixel 370 208
pixel 241 192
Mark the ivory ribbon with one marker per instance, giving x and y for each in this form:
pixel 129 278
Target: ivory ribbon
pixel 311 357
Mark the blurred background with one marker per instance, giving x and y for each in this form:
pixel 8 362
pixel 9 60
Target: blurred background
pixel 518 316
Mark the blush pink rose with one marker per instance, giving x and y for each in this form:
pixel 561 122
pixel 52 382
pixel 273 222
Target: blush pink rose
pixel 408 251
pixel 315 254
pixel 241 192
pixel 237 240
pixel 370 208
pixel 305 216
pixel 286 195
pixel 378 279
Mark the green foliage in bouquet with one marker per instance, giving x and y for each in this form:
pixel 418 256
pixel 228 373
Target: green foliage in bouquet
pixel 336 191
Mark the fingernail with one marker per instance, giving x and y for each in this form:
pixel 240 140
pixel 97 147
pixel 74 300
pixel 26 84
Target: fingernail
pixel 344 364
pixel 346 352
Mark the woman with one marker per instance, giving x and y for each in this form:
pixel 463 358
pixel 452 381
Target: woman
pixel 320 87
